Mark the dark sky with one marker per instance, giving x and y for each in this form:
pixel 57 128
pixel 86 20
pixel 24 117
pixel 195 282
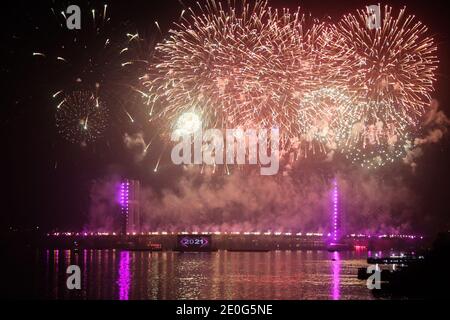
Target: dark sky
pixel 46 180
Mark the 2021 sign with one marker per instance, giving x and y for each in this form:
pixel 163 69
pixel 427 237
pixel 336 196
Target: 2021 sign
pixel 194 243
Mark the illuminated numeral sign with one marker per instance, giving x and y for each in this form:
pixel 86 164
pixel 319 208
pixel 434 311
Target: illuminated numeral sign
pixel 194 243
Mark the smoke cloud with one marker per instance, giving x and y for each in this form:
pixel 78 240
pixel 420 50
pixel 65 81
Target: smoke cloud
pixel 250 202
pixel 104 207
pixel 136 144
pixel 435 127
pixel 290 202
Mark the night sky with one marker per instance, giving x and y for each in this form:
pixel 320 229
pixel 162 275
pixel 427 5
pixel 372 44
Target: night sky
pixel 46 180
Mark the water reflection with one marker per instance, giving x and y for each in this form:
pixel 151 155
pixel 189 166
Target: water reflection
pixel 124 275
pixel 115 274
pixel 336 275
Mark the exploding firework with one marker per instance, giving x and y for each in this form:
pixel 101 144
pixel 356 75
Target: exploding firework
pixel 370 126
pixel 132 63
pixel 81 117
pixel 187 124
pixel 236 67
pixel 378 155
pixel 392 67
pixel 390 71
pixel 325 116
pixel 344 88
pixel 373 138
pixel 90 57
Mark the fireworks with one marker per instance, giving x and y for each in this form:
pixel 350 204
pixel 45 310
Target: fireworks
pixel 81 117
pixel 188 123
pixel 244 66
pixel 372 138
pixel 345 87
pixel 342 87
pixel 378 156
pixel 388 74
pixel 324 117
pixel 88 59
pixel 390 71
pixel 392 67
pixel 87 55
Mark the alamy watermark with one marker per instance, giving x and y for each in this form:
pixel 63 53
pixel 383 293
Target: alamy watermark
pixel 374 17
pixel 237 147
pixel 74 280
pixel 374 280
pixel 73 19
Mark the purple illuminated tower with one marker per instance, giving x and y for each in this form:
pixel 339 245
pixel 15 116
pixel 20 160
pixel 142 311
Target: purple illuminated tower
pixel 335 243
pixel 124 204
pixel 129 206
pixel 335 213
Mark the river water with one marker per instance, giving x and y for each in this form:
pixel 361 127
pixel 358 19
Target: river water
pixel 124 275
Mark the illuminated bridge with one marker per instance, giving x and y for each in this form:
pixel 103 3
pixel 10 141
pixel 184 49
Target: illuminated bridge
pixel 233 241
pixel 131 238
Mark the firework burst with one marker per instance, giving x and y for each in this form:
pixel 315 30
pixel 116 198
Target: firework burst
pixel 390 72
pixel 81 117
pixel 392 67
pixel 88 59
pixel 378 155
pixel 236 66
pixel 324 117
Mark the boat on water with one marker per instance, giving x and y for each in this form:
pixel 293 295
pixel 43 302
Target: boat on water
pixel 401 259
